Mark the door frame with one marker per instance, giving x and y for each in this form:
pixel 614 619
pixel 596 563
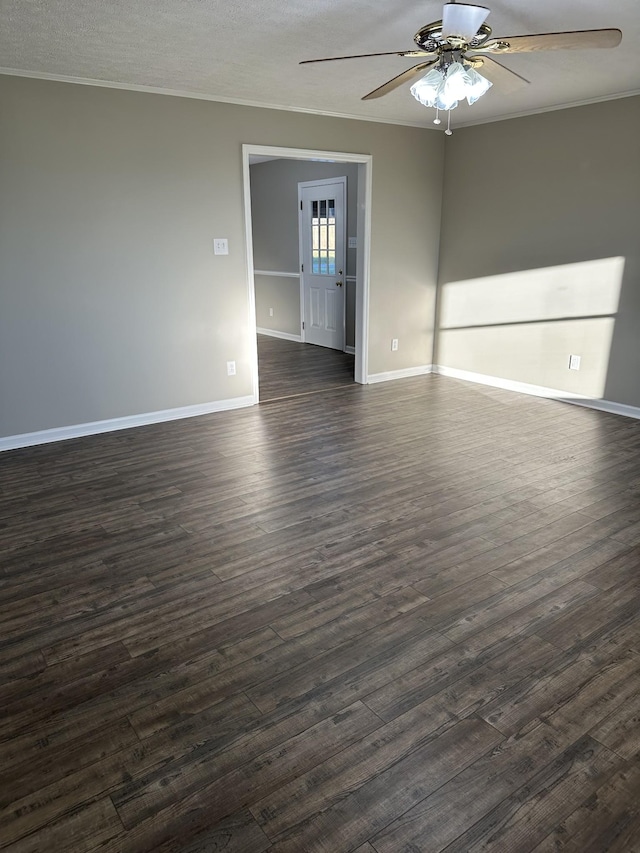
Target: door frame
pixel 342 179
pixel 363 250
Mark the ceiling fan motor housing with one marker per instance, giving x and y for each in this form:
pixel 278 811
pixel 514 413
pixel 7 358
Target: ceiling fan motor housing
pixel 430 39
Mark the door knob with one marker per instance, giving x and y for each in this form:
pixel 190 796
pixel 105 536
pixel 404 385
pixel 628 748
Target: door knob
pixel 338 284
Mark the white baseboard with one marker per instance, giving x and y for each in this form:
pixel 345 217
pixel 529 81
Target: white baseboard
pixel 405 373
pixel 45 436
pixel 285 336
pixel 277 274
pixel 540 391
pixel 30 439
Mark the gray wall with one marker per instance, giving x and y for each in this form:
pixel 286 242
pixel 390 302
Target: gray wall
pixel 274 206
pixel 282 295
pixel 111 300
pixel 540 255
pixel 113 304
pixel 274 190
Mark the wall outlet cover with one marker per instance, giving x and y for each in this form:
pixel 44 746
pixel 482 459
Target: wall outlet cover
pixel 220 246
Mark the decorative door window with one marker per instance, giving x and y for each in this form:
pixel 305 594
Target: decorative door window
pixel 323 236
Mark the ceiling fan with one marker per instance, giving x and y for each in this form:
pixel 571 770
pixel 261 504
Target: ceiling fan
pixel 455 47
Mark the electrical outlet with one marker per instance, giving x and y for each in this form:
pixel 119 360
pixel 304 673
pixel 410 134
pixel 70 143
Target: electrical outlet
pixel 231 368
pixel 574 362
pixel 394 344
pixel 220 246
pixel 271 312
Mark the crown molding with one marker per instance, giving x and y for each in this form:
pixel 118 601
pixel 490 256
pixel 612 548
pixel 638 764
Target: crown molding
pixel 552 109
pixel 201 96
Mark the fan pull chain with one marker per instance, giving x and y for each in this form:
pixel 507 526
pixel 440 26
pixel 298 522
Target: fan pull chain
pixel 448 131
pixel 437 118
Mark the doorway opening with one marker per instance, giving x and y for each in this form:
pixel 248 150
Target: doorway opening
pixel 288 312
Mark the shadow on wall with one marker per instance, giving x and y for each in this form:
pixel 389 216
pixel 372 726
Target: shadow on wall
pixel 523 326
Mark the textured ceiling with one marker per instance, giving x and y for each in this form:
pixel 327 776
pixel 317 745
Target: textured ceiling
pixel 249 51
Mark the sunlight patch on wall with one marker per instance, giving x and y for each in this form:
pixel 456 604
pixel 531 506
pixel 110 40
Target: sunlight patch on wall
pixel 588 288
pixel 524 325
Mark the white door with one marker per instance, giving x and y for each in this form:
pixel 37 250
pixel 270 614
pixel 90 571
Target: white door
pixel 322 239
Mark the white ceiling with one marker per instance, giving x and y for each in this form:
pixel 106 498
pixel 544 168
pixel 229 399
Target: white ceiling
pixel 249 51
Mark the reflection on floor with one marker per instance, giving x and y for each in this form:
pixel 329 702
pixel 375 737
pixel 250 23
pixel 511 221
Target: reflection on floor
pixel 288 368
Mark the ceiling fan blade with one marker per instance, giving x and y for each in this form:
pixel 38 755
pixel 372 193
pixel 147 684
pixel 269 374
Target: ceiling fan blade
pixel 364 55
pixel 392 84
pixel 462 20
pixel 553 41
pixel 506 79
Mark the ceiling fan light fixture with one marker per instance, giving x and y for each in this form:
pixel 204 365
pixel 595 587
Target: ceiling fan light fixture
pixel 450 47
pixel 426 88
pixel 456 82
pixel 478 86
pixel 443 87
pixel 446 102
pixel 462 20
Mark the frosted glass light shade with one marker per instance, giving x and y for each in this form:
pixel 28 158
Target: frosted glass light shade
pixel 443 88
pixel 456 83
pixel 462 20
pixel 478 85
pixel 446 102
pixel 426 89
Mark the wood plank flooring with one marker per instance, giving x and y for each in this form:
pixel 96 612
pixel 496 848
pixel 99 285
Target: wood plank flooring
pixel 288 368
pixel 384 619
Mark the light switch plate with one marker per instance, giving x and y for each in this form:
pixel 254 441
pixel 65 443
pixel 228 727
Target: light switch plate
pixel 220 246
pixel 574 362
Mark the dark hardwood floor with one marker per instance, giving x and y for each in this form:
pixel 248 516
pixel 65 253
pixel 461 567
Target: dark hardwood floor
pixel 384 619
pixel 288 368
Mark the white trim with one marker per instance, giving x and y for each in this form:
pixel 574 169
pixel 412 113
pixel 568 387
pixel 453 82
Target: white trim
pixel 365 184
pixel 320 182
pixel 609 406
pixel 301 302
pixel 285 336
pixel 404 373
pixel 252 326
pixel 202 96
pixel 281 153
pixel 278 274
pixel 363 269
pixel 540 391
pixel 45 436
